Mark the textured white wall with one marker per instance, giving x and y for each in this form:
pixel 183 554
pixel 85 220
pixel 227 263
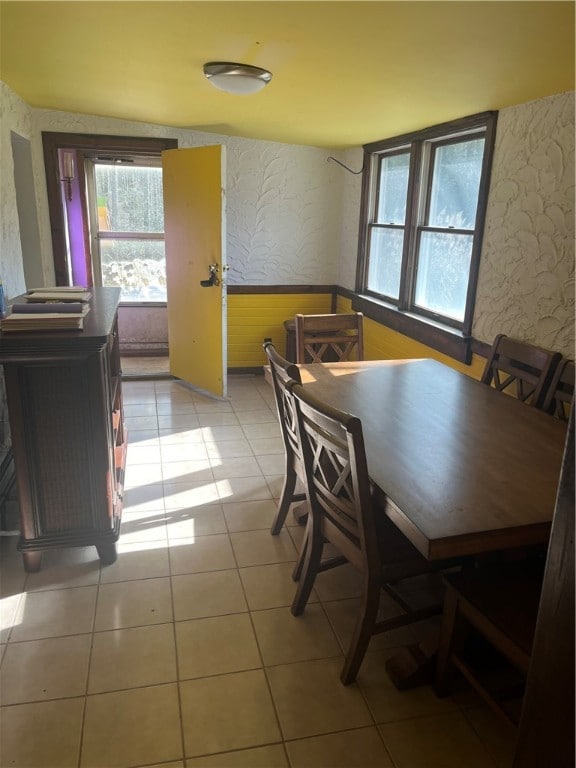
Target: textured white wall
pixel 526 281
pixel 281 207
pixel 15 115
pixel 351 189
pixel 282 214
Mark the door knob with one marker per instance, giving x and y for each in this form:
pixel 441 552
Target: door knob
pixel 213 278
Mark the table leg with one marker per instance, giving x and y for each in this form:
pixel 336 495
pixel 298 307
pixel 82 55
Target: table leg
pixel 300 513
pixel 32 561
pixel 413 665
pixel 411 668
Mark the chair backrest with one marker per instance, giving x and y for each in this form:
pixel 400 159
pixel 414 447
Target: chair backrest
pixel 332 337
pixel 560 394
pixel 520 368
pixel 338 486
pixel 284 375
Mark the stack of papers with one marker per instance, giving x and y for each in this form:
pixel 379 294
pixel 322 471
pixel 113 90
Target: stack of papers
pixel 49 309
pixel 59 293
pixel 41 307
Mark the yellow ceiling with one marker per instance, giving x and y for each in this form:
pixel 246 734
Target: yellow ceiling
pixel 344 73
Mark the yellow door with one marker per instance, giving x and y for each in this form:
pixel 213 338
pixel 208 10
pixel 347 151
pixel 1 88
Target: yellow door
pixel 194 228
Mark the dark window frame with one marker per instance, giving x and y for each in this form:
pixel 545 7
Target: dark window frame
pixel 98 236
pixel 81 143
pixel 445 334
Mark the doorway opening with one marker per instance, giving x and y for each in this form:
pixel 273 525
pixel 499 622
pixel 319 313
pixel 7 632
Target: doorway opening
pixel 106 215
pixel 194 195
pixel 126 215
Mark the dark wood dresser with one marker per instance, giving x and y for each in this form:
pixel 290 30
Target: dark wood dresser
pixel 64 395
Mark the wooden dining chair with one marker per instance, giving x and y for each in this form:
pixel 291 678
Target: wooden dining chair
pixel 329 337
pixel 499 604
pixel 520 368
pixel 343 515
pixel 559 396
pixel 283 374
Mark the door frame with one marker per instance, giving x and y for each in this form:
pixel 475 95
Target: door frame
pixel 79 143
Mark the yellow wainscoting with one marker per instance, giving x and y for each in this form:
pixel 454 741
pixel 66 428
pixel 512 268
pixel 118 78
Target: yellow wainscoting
pixel 252 317
pixel 381 343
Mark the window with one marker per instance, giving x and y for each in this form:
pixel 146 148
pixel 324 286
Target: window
pixel 70 224
pixel 423 204
pixel 127 226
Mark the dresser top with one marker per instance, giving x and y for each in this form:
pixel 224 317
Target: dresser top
pixel 98 325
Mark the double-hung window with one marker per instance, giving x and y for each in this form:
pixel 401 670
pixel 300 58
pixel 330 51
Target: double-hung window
pixel 423 204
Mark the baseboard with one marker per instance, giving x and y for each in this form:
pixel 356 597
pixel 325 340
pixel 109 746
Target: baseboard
pixel 160 350
pixel 257 370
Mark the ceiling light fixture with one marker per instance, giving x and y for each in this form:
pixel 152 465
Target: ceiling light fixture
pixel 236 78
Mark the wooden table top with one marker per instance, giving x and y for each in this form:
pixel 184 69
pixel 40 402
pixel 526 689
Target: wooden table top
pixel 459 467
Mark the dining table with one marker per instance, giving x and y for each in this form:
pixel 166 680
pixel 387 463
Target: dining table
pixel 460 468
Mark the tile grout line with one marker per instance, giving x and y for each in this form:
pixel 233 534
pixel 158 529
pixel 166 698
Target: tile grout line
pixel 174 633
pixel 492 757
pixel 176 657
pixel 250 618
pixel 263 668
pixel 85 703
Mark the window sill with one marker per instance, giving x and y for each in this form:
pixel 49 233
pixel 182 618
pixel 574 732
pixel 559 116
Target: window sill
pixel 444 339
pixel 147 303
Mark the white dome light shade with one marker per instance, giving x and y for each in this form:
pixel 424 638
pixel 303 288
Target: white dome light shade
pixel 241 79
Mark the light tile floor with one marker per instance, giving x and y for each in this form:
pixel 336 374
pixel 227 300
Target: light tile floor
pixel 184 652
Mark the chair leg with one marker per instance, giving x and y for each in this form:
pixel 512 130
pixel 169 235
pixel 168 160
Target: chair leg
pixel 297 572
pixel 286 499
pixel 362 633
pixel 312 558
pixel 447 635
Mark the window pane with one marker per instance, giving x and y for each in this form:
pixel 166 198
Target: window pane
pixel 455 184
pixel 385 261
pixel 129 198
pixel 393 189
pixel 443 269
pixel 136 266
